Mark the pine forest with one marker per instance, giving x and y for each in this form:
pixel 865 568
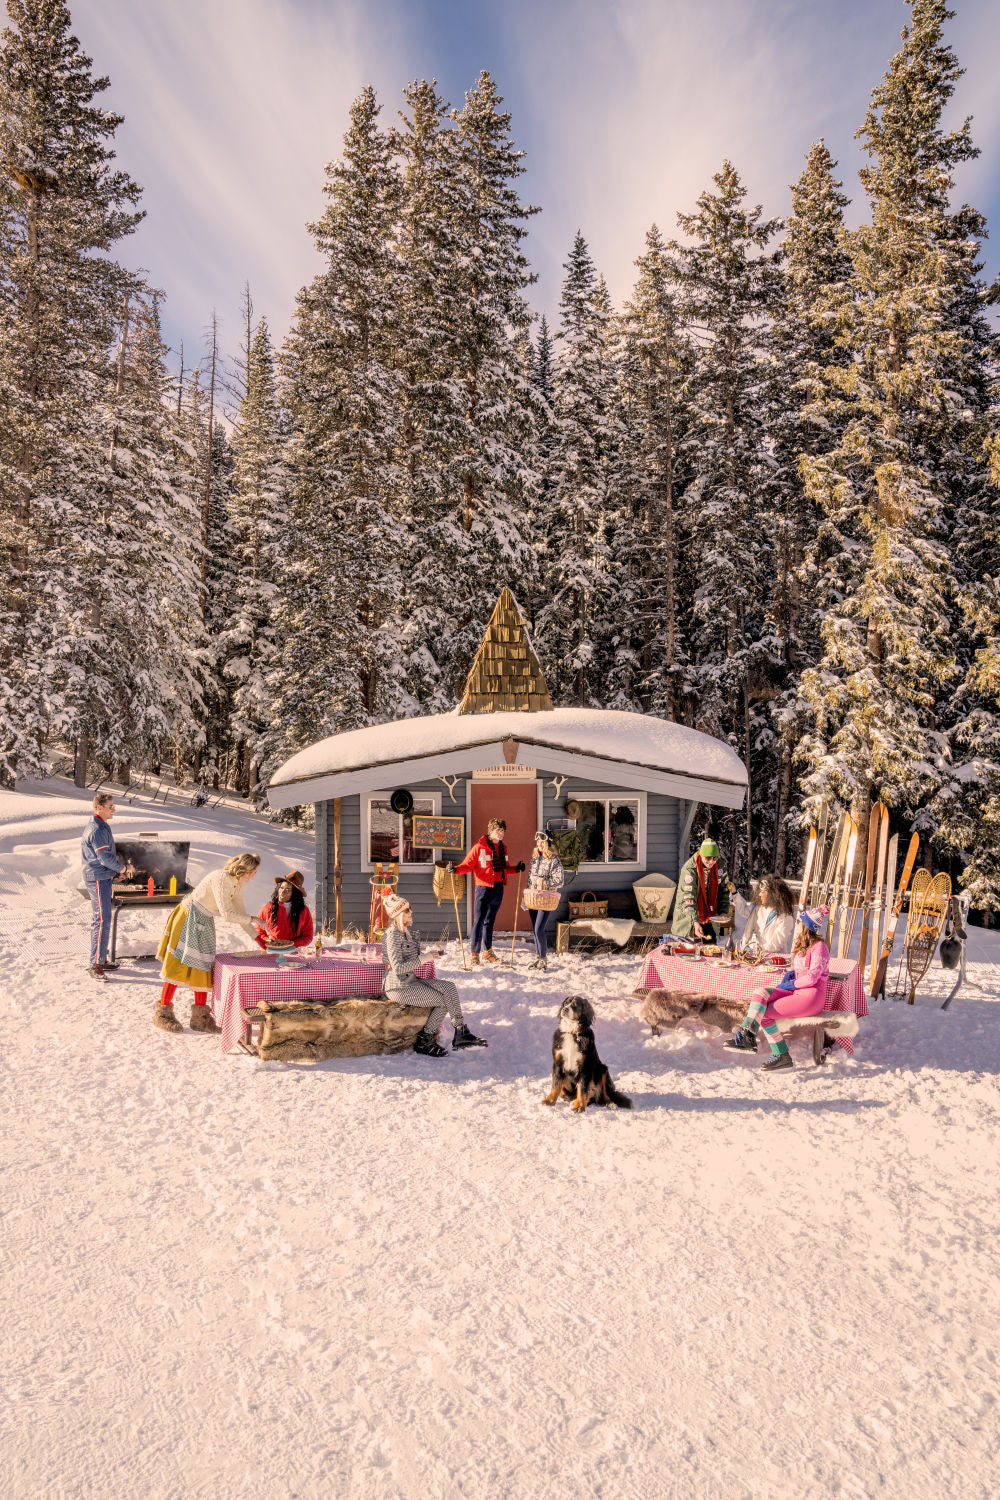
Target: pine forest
pixel 761 497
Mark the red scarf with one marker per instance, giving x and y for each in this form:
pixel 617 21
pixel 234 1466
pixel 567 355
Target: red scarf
pixel 708 902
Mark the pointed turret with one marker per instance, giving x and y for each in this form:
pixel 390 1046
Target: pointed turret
pixel 505 673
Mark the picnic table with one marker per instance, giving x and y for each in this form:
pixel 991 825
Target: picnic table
pixel 240 981
pixel 665 971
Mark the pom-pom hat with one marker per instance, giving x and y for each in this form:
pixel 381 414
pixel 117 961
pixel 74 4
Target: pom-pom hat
pixel 709 849
pixel 814 919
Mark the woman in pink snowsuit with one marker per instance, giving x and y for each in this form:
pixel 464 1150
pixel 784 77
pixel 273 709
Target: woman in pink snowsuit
pixel 801 991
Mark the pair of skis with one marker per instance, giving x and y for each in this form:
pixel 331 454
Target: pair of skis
pixel 882 954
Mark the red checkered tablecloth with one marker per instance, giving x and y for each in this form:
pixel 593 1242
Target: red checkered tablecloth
pixel 662 971
pixel 240 982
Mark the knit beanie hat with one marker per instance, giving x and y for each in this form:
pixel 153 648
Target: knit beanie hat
pixel 815 918
pixel 709 849
pixel 393 905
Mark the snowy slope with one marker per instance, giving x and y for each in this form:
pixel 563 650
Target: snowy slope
pixel 399 1277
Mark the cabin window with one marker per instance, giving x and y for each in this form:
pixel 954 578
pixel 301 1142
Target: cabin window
pixel 390 834
pixel 609 829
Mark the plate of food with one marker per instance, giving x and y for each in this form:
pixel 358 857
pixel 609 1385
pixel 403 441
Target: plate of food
pixel 279 945
pixel 711 950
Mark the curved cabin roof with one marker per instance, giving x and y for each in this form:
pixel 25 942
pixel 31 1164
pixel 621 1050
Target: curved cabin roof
pixel 607 745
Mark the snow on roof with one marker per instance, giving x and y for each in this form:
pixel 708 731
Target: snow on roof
pixel 667 753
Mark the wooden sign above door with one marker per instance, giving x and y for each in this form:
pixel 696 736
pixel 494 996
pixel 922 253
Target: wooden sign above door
pixel 506 773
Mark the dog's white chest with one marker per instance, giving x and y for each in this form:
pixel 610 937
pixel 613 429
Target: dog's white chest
pixel 570 1048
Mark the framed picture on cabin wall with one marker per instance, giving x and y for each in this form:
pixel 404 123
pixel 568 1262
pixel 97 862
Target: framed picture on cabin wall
pixel 388 835
pixel 612 829
pixel 438 833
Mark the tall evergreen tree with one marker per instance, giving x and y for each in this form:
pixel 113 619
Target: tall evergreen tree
pixel 730 292
pixel 817 271
pixel 890 487
pixel 340 583
pixel 656 363
pixel 64 205
pixel 580 479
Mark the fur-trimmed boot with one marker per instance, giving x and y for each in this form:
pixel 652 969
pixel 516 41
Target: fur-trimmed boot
pixel 163 1016
pixel 202 1019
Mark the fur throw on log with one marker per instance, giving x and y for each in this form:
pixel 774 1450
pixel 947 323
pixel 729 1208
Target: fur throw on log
pixel 664 1009
pixel 311 1030
pixel 833 1022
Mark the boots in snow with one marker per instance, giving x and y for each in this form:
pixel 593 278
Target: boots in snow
pixel 202 1019
pixel 427 1045
pixel 96 971
pixel 473 960
pixel 163 1016
pixel 539 963
pixel 463 1038
pixel 490 956
pixel 778 1063
pixel 741 1041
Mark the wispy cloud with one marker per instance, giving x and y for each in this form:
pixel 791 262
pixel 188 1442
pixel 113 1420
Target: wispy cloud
pixel 625 109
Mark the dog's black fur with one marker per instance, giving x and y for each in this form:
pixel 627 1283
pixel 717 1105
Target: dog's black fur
pixel 577 1071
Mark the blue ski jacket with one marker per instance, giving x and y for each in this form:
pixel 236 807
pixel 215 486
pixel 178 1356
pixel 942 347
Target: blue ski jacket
pixel 100 860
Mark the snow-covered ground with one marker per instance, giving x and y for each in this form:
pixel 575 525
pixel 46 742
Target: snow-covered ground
pixel 400 1277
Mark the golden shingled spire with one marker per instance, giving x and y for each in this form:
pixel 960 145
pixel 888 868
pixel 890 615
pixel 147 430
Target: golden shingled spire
pixel 505 673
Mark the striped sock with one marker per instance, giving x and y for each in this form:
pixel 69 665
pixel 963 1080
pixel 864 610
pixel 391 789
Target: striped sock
pixel 776 1041
pixel 755 1015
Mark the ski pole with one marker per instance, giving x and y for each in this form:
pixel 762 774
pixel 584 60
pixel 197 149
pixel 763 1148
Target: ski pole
pixel 517 908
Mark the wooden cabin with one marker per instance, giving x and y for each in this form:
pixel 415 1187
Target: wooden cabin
pixel 627 783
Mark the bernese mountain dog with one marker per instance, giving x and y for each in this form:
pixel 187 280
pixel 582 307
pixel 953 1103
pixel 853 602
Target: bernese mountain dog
pixel 577 1071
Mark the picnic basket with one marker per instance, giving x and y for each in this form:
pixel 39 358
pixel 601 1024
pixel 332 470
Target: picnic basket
pixel 588 906
pixel 539 900
pixel 447 885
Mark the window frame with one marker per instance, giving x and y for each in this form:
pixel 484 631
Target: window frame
pixel 609 797
pixel 367 863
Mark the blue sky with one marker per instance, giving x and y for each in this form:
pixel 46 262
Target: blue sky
pixel 625 108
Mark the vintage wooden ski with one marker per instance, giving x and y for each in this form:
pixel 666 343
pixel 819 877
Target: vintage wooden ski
pixel 838 844
pixel 843 903
pixel 807 869
pixel 878 899
pixel 873 821
pixel 878 986
pixel 821 827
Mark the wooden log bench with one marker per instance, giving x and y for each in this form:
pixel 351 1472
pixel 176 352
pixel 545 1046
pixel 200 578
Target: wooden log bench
pixel 313 1030
pixel 663 1010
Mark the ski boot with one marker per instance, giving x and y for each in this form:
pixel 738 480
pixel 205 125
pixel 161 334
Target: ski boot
pixel 778 1063
pixel 742 1040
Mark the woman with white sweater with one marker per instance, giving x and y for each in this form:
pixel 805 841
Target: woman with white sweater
pixel 770 926
pixel 401 955
pixel 187 948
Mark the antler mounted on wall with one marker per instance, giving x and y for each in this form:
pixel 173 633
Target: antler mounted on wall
pixel 450 782
pixel 558 782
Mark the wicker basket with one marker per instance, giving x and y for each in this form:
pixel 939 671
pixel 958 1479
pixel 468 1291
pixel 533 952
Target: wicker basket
pixel 588 906
pixel 538 900
pixel 447 885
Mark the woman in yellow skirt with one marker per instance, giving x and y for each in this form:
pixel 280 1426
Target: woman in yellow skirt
pixel 187 947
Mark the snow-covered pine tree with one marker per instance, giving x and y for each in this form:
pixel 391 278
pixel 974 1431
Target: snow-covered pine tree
pixel 656 362
pixel 729 293
pixel 64 205
pixel 470 410
pixel 571 596
pixel 260 531
pixel 817 268
pixel 891 486
pixel 339 573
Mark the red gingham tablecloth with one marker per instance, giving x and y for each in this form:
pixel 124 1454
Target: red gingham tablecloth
pixel 240 982
pixel 662 971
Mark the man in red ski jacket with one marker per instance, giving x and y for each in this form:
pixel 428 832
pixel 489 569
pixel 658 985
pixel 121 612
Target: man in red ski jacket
pixel 487 861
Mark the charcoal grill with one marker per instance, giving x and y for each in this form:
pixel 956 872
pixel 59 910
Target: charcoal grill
pixel 163 859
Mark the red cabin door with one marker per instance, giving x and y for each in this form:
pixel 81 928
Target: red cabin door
pixel 517 802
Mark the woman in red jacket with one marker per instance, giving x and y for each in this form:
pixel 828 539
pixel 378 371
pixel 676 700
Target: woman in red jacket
pixel 286 918
pixel 487 861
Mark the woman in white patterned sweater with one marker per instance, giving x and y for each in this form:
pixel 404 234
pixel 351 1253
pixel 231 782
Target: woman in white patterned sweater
pixel 401 955
pixel 187 948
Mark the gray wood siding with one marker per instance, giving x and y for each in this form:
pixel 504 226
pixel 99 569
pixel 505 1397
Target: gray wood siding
pixel 664 817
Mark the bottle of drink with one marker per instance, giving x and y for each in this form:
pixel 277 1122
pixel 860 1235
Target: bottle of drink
pixel 173 885
pixel 150 887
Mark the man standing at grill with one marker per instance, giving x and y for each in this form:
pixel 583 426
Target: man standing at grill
pixel 101 866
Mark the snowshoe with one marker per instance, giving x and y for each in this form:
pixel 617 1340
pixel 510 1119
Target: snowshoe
pixel 777 1064
pixel 428 1046
pixel 741 1041
pixel 463 1038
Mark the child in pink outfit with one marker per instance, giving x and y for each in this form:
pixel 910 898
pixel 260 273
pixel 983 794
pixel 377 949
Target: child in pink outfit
pixel 801 991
